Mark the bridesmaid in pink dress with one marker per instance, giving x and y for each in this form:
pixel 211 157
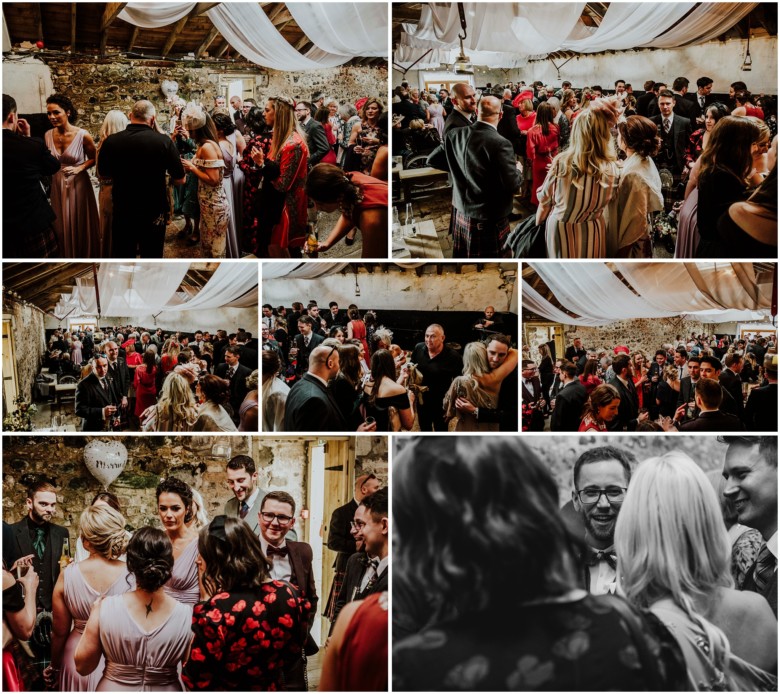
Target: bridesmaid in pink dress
pixel 176 510
pixel 143 634
pixel 78 224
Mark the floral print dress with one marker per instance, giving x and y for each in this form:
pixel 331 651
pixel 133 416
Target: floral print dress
pixel 214 212
pixel 243 640
pixel 252 179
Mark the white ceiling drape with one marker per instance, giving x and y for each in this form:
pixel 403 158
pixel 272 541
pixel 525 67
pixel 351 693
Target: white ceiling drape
pixel 230 282
pixel 153 15
pixel 301 271
pixel 344 28
pixel 705 23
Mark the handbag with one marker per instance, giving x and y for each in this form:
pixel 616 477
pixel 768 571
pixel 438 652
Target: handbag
pixel 527 239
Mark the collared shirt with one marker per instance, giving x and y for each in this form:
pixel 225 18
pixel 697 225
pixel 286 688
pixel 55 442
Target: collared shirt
pixel 603 578
pixel 469 116
pixel 771 544
pixel 321 380
pixel 251 500
pixel 368 573
pixel 494 126
pixel 281 569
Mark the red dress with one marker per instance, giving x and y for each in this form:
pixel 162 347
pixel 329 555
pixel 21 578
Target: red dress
pixel 363 666
pixel 590 424
pixel 145 388
pixel 374 191
pixel 540 149
pixel 359 333
pixel 243 640
pixel 252 180
pixel 293 160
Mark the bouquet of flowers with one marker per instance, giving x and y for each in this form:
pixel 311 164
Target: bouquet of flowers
pixel 21 418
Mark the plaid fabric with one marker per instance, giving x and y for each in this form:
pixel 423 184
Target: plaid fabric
pixel 478 238
pixel 675 193
pixel 22 243
pixel 335 587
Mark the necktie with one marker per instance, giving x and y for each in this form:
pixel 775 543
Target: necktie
pixel 701 102
pixel 667 125
pixel 39 543
pixel 372 566
pixel 230 373
pixel 594 556
pixel 103 384
pixel 765 567
pixel 244 509
pixel 306 341
pixel 276 551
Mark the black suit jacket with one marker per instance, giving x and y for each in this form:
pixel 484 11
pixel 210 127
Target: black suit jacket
pixel 248 357
pixel 482 167
pixel 238 389
pixel 761 408
pixel 317 141
pixel 713 421
pixel 733 385
pixel 683 107
pixel 121 377
pixel 629 406
pixel 568 407
pixel 20 545
pixel 90 401
pixel 25 207
pixel 302 360
pixel 300 555
pixel 697 111
pixel 507 127
pixel 506 413
pixel 681 133
pixel 770 589
pixel 643 103
pixel 312 407
pixel 350 588
pixel 340 319
pixel 455 119
pixel 339 536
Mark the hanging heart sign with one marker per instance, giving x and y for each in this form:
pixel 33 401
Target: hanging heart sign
pixel 105 460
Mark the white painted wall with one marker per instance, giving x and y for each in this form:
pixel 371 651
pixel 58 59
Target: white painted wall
pixel 27 80
pixel 469 291
pixel 719 60
pixel 217 319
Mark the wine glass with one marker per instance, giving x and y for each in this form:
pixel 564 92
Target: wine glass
pixel 409 219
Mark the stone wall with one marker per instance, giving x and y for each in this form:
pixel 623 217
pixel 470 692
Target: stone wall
pixel 98 85
pixel 638 334
pixel 281 463
pixel 29 345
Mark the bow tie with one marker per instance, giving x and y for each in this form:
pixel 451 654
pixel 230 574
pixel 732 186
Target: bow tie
pixel 594 556
pixel 279 551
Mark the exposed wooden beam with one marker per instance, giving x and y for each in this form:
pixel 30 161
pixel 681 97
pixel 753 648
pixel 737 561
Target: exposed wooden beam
pixel 73 27
pixel 282 16
pixel 207 42
pixel 177 29
pixel 38 19
pixel 303 45
pixel 280 27
pixel 109 15
pixel 37 274
pixel 133 38
pixel 276 11
pixel 202 8
pixel 221 50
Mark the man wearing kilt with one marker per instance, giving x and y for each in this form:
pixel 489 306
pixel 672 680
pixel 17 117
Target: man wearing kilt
pixel 675 131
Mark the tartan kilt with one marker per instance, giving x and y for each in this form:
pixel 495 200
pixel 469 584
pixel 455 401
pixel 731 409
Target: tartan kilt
pixel 478 238
pixel 674 194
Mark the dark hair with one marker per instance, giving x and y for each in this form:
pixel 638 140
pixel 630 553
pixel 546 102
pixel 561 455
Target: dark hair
pixel 281 497
pixel 714 362
pixel 215 388
pixel 377 503
pixel 235 350
pixel 590 369
pixel 232 556
pixel 9 106
pixel 308 320
pixel 704 81
pixel 617 82
pixel 353 314
pixel 657 86
pixel 322 115
pixel 254 120
pixel 504 536
pixel 767 445
pixel 349 364
pixel 641 135
pixel 207 132
pixel 682 352
pixel 679 83
pixel 667 93
pixel 328 183
pixel 599 453
pixel 498 337
pixel 662 352
pixel 382 365
pixel 150 558
pixel 545 117
pixel 736 86
pixel 620 362
pixel 570 369
pixel 307 105
pixel 150 359
pixel 223 124
pixel 242 462
pixel 173 485
pixel 40 486
pixel 335 329
pixel 695 358
pixel 743 96
pixel 109 497
pixel 717 109
pixel 65 104
pixel 766 193
pixel 710 391
pixel 270 362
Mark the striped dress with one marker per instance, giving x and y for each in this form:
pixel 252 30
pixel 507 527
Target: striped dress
pixel 576 226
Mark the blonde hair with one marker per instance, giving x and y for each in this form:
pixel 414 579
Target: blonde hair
pixel 285 124
pixel 475 361
pixel 176 409
pixel 114 122
pixel 591 150
pixel 104 529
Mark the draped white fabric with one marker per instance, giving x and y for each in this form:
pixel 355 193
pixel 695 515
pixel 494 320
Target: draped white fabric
pixel 301 271
pixel 152 15
pixel 230 281
pixel 630 24
pixel 344 28
pixel 713 292
pixel 708 21
pixel 247 28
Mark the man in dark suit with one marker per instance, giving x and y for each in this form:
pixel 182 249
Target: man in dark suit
pixel 290 561
pixel 750 470
pixel 505 413
pixel 643 102
pixel 316 138
pixel 41 542
pixel 507 125
pixel 557 383
pixel 675 133
pixel 761 407
pixel 408 109
pixel 575 352
pixel 97 400
pixel 628 411
pixel 533 397
pixel 688 383
pixel 27 215
pixel 652 107
pixel 367 573
pixel 569 402
pixel 446 102
pixel 248 354
pixel 310 403
pixel 682 106
pixel 464 111
pixel 334 316
pixel 235 372
pixel 119 372
pixel 484 179
pixel 731 380
pixel 711 417
pixel 700 99
pixel 305 342
pixel 711 367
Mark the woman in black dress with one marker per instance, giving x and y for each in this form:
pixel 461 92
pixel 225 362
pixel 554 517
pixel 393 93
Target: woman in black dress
pixel 384 398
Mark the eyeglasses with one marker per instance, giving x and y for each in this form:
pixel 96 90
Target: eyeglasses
pixel 592 495
pixel 278 517
pixel 330 354
pixel 358 525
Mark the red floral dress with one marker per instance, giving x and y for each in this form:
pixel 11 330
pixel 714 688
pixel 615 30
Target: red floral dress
pixel 243 640
pixel 252 180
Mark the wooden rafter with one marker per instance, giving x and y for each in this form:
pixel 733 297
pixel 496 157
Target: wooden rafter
pixel 38 18
pixel 133 38
pixel 109 15
pixel 73 7
pixel 207 42
pixel 177 29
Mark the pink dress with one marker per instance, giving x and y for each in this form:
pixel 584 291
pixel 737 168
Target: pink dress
pixel 75 352
pixel 79 598
pixel 139 660
pixel 183 583
pixel 145 383
pixel 73 200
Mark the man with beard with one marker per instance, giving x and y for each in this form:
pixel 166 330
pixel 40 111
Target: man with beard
pixel 601 477
pixel 247 495
pixel 39 542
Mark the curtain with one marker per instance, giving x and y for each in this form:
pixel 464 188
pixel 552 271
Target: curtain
pixel 344 28
pixel 301 271
pixel 153 15
pixel 247 28
pixel 230 281
pixel 708 21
